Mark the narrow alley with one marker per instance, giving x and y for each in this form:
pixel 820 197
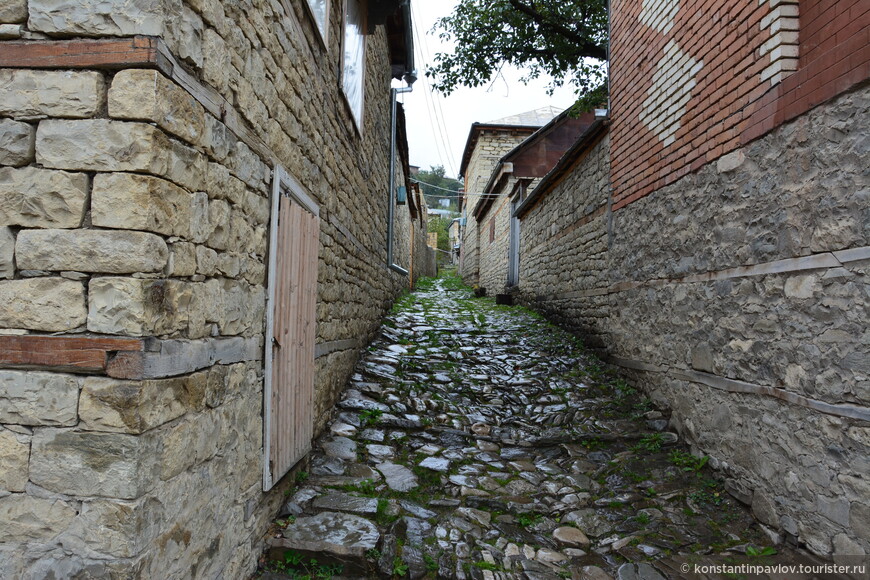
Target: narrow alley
pixel 480 441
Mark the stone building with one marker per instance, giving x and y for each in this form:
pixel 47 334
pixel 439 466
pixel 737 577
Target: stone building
pixel 514 177
pixel 713 238
pixel 194 210
pixel 486 144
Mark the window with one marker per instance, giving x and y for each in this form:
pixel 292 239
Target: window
pixel 319 10
pixel 492 230
pixel 353 58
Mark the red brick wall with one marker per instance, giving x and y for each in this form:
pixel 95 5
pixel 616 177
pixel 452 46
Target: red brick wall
pixel 826 24
pixel 695 79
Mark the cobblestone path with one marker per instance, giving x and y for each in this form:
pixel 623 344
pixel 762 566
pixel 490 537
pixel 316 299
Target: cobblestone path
pixel 479 441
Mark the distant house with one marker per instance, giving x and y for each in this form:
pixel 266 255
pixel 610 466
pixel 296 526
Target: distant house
pixel 198 235
pixel 712 238
pixel 486 144
pixel 514 178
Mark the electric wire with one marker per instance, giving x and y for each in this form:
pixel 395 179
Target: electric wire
pixel 457 194
pixel 440 116
pixel 433 106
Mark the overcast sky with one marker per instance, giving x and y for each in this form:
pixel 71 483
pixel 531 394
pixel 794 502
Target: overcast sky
pixel 438 126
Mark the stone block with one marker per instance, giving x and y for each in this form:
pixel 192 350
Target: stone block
pixel 40 198
pixel 92 464
pixel 141 202
pixel 182 259
pixel 137 307
pixel 102 145
pixel 219 222
pixel 206 261
pixel 243 238
pixel 137 406
pixel 13 11
pixel 205 307
pixel 184 36
pixel 17 143
pixel 243 307
pixel 30 518
pixel 731 161
pixel 35 398
pixel 28 93
pixel 177 452
pixel 216 64
pixel 200 227
pixel 14 457
pixel 105 251
pixel 229 265
pixel 126 529
pixel 10 31
pixel 801 286
pixel 186 166
pixel 147 95
pixel 97 17
pixel 49 304
pixel 7 252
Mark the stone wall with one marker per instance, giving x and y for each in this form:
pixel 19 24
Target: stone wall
pixel 563 250
pixel 737 296
pixel 134 212
pixel 494 252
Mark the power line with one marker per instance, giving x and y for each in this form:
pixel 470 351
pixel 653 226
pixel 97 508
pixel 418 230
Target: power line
pixel 456 194
pixel 433 106
pixel 437 98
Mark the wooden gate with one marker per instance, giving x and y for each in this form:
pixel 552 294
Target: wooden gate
pixel 288 394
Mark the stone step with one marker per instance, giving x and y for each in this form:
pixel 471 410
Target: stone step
pixel 331 539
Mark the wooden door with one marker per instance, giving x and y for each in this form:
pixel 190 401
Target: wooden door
pixel 290 328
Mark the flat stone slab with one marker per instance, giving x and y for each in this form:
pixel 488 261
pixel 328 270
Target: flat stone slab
pixel 345 502
pixel 333 532
pixel 569 536
pixel 435 463
pixel 340 448
pixel 398 477
pixel 330 537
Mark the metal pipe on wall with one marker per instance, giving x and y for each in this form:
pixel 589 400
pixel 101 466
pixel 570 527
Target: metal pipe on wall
pixel 391 212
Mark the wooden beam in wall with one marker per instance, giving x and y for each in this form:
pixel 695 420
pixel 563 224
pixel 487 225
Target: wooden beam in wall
pixel 73 353
pixel 79 53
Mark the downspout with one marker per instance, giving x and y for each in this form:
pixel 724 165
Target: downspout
pixel 391 212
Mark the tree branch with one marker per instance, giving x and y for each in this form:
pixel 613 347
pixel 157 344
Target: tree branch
pixel 588 48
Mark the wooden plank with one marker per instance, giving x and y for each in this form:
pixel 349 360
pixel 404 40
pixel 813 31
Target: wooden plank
pixel 269 347
pixel 208 97
pixel 292 403
pixel 311 289
pixel 735 386
pixel 306 340
pixel 167 358
pixel 77 353
pixel 139 51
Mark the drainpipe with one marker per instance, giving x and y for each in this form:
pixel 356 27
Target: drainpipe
pixel 391 212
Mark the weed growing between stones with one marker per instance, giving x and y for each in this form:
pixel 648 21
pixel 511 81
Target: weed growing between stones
pixel 297 567
pixel 370 416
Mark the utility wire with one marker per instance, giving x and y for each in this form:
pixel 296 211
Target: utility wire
pixel 453 191
pixel 437 98
pixel 433 106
